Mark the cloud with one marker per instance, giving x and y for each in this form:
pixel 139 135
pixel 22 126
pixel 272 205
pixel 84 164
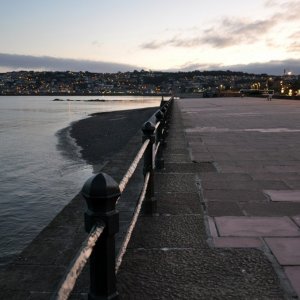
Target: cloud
pixel 270 3
pixel 211 39
pixel 274 67
pixel 295 35
pixel 294 39
pixel 10 62
pixel 153 45
pixel 289 11
pixel 228 32
pixel 48 63
pixel 252 28
pixel 294 47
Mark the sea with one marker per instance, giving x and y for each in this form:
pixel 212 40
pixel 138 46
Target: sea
pixel 36 179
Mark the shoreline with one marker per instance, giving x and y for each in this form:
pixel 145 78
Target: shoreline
pixel 101 135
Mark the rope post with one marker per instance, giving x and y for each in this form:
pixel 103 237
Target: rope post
pixel 101 193
pixel 159 160
pixel 150 202
pixel 165 126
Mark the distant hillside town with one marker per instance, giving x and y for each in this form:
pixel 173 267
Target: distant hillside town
pixel 197 83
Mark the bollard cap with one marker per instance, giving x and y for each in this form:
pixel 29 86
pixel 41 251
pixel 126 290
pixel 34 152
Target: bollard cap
pixel 148 128
pixel 164 109
pixel 159 115
pixel 101 192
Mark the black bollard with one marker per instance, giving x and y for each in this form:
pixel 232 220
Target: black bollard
pixel 159 160
pixel 101 193
pixel 159 116
pixel 150 201
pixel 165 126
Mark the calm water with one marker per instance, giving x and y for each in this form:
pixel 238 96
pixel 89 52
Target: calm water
pixel 36 179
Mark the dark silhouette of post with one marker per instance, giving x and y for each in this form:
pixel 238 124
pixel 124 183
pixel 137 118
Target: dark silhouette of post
pixel 149 133
pixel 159 160
pixel 101 193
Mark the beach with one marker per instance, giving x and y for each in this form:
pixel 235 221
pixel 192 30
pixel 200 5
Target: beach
pixel 102 135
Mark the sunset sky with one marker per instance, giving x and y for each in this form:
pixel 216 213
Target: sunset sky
pixel 261 36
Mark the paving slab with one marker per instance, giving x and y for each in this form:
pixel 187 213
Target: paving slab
pixel 218 209
pixel 176 158
pixel 237 242
pixel 179 151
pixel 293 183
pixel 286 250
pixel 270 209
pixel 213 232
pixel 282 169
pixel 283 195
pixel 254 185
pixel 201 156
pixel 234 195
pixel 190 167
pixel 293 273
pixel 296 219
pixel 209 177
pixel 256 226
pixel 234 169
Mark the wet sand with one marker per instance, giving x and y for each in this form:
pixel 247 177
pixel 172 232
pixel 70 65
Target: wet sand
pixel 104 134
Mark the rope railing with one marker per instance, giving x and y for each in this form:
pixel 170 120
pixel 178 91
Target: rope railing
pixel 132 224
pixel 157 125
pixel 78 263
pixel 133 166
pixel 156 148
pixel 102 193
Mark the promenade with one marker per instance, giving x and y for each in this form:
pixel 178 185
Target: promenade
pixel 228 219
pixel 228 206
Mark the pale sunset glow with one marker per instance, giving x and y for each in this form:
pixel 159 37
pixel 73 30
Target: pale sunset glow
pixel 116 35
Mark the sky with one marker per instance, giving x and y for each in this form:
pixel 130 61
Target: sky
pixel 257 36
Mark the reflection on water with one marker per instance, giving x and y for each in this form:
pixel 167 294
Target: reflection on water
pixel 36 181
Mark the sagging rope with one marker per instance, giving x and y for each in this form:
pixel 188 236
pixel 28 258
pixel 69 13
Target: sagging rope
pixel 78 263
pixel 133 166
pixel 133 222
